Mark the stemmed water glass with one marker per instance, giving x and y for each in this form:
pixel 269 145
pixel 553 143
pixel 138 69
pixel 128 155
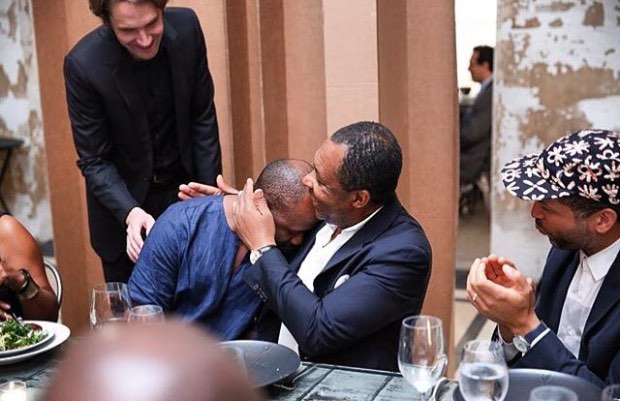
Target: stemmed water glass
pixel 146 314
pixel 109 305
pixel 483 374
pixel 421 353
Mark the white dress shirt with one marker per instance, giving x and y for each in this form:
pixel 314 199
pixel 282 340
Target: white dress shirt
pixel 582 293
pixel 315 261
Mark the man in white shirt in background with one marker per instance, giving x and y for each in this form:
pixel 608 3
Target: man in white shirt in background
pixel 571 321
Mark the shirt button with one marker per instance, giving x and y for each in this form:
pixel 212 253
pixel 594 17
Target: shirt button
pixel 255 287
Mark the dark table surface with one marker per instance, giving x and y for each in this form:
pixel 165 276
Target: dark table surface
pixel 318 382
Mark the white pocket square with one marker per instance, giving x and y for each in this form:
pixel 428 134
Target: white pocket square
pixel 341 280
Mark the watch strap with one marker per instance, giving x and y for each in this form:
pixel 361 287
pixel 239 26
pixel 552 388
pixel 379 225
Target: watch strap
pixel 29 289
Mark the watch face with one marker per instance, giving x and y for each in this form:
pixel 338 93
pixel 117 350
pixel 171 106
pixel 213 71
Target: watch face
pixel 254 255
pixel 521 343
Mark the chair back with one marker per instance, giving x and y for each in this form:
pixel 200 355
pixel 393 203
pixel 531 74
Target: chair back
pixel 523 381
pixel 53 276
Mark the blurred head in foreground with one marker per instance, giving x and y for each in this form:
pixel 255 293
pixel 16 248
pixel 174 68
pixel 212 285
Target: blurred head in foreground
pixel 156 362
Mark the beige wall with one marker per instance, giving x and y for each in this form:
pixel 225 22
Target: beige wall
pixel 281 89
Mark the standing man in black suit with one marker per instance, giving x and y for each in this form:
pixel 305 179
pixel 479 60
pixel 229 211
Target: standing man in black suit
pixel 140 100
pixel 476 125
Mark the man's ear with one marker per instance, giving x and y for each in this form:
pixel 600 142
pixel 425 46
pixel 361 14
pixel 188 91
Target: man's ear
pixel 604 220
pixel 361 198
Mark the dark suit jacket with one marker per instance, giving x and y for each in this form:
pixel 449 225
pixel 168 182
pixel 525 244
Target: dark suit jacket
pixel 475 136
pixel 357 323
pixel 599 353
pixel 110 126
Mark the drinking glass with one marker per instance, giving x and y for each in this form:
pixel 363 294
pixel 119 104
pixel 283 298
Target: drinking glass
pixel 611 393
pixel 421 355
pixel 14 390
pixel 552 393
pixel 109 305
pixel 483 374
pixel 146 314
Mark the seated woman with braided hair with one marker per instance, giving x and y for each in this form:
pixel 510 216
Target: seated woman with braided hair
pixel 24 288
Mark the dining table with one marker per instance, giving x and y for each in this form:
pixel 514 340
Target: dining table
pixel 313 381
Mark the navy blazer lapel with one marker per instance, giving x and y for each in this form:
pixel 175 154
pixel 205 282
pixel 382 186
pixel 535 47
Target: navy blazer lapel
pixel 309 239
pixel 377 225
pixel 606 299
pixel 551 300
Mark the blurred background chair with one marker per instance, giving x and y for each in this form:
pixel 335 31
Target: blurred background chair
pixel 53 276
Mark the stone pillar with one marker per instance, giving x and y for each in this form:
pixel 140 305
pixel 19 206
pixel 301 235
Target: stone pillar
pixel 65 22
pixel 418 101
pixel 557 71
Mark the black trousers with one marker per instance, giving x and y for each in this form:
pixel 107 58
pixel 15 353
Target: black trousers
pixel 159 197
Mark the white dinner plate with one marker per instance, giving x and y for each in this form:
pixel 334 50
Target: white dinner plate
pixel 59 332
pixel 15 351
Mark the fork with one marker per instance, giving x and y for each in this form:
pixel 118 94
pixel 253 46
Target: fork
pixel 17 319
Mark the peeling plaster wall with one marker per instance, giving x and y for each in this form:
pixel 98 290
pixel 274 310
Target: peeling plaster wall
pixel 557 71
pixel 25 184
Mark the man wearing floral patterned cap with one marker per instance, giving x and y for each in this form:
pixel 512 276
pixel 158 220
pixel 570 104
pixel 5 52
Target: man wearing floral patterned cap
pixel 571 321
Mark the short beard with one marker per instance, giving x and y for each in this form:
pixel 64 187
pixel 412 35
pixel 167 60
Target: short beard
pixel 580 239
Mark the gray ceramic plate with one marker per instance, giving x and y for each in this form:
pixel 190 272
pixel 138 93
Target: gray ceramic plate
pixel 266 362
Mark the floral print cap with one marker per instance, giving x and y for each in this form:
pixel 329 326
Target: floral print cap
pixel 584 163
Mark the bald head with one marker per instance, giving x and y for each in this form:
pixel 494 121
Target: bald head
pixel 161 362
pixel 281 182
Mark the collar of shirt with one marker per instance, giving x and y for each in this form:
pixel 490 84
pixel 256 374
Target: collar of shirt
pixel 600 263
pixel 325 234
pixel 486 83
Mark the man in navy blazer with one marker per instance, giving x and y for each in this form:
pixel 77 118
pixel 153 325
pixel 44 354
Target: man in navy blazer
pixel 140 100
pixel 341 299
pixel 571 322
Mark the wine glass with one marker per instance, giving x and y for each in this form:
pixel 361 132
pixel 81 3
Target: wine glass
pixel 146 314
pixel 552 393
pixel 421 355
pixel 611 393
pixel 483 374
pixel 109 305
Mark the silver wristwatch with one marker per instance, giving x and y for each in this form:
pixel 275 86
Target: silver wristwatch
pixel 257 253
pixel 524 342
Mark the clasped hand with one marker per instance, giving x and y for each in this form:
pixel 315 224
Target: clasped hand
pixel 503 294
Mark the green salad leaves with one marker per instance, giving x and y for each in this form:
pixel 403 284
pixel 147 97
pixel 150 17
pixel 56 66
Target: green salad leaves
pixel 15 335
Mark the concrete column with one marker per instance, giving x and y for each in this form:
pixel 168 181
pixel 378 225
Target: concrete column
pixel 65 22
pixel 557 71
pixel 418 101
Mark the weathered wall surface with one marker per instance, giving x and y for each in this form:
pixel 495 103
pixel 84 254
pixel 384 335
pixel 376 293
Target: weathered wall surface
pixel 557 71
pixel 25 185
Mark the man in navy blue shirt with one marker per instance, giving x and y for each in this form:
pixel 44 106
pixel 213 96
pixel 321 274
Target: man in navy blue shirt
pixel 192 263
